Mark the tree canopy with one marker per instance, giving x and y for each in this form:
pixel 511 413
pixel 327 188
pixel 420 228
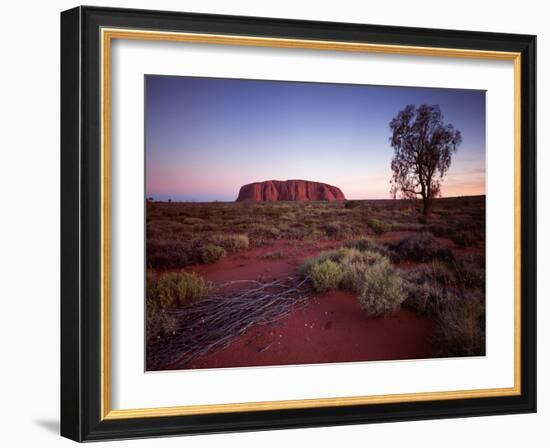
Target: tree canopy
pixel 423 148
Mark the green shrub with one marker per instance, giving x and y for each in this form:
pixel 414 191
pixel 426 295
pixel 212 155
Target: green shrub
pixel 326 275
pixel 231 243
pixel 379 227
pixel 366 272
pixel 382 291
pixel 421 247
pixel 173 289
pixel 307 265
pixel 353 275
pixel 210 253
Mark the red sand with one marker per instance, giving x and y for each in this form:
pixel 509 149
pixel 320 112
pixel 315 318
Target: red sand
pixel 331 328
pixel 252 264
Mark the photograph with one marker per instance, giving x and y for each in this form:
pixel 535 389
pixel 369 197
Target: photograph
pixel 292 223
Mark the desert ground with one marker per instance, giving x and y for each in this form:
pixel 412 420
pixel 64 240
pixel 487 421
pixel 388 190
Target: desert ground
pixel 279 283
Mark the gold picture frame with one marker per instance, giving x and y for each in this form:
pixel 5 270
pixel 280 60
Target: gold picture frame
pixel 106 32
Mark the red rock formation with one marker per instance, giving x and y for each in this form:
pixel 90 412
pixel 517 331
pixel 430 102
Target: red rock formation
pixel 289 190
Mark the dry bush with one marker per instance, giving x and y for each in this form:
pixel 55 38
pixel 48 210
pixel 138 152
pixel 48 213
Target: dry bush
pixel 338 230
pixel 421 247
pixel 352 204
pixel 264 231
pixel 379 227
pixel 461 328
pixel 470 271
pixel 453 295
pixel 159 323
pixel 210 253
pixel 465 238
pixel 231 243
pixel 366 244
pixel 426 297
pixel 168 254
pixel 173 289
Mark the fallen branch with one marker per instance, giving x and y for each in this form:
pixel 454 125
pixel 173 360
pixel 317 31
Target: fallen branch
pixel 215 321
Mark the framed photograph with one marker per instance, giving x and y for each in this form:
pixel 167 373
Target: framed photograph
pixel 273 223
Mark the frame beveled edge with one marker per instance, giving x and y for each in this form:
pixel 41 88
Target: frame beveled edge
pixel 123 419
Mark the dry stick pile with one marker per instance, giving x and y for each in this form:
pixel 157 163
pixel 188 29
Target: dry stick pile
pixel 213 322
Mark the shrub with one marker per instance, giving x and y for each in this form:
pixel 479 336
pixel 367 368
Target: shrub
pixel 427 298
pixel 464 238
pixel 326 275
pixel 353 275
pixel 307 265
pixel 421 247
pixel 379 227
pixel 441 230
pixel 333 229
pixel 352 204
pixel 173 289
pixel 230 243
pixel 337 230
pixel 365 243
pixel 382 290
pixel 459 314
pixel 210 253
pixel 441 273
pixel 461 328
pixel 168 254
pixel 265 230
pixel 159 324
pixel 470 271
pixel 369 273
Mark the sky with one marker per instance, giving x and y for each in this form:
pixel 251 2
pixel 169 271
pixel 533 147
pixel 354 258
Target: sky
pixel 206 137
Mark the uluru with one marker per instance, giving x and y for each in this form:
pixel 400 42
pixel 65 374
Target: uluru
pixel 289 190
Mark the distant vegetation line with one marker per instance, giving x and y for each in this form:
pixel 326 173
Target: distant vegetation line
pixel 152 198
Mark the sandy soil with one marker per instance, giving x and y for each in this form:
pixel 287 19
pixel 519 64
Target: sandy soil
pixel 331 328
pixel 255 264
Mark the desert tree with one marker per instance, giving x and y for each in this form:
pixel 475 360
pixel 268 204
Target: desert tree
pixel 423 147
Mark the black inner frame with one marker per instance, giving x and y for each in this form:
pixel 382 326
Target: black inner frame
pixel 81 224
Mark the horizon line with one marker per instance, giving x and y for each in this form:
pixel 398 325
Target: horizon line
pixel 337 200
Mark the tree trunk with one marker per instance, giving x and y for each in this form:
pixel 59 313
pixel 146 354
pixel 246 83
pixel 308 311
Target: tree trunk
pixel 427 205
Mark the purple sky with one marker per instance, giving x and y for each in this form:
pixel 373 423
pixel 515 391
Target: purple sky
pixel 205 137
